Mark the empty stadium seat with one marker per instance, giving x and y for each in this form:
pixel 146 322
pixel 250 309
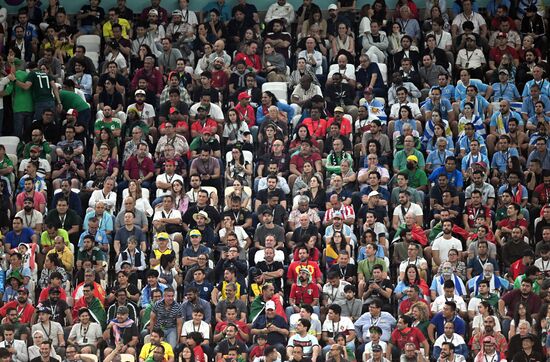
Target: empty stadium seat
pixel 279 89
pixel 92 43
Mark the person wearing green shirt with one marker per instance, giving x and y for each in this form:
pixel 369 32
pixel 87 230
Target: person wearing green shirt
pixel 41 86
pixel 71 100
pixel 108 121
pixel 336 156
pixel 6 165
pixel 417 177
pixel 47 238
pixel 23 106
pixel 400 159
pixel 365 266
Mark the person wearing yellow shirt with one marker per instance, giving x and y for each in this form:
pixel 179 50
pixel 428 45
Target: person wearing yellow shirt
pixel 63 252
pixel 157 336
pixel 47 241
pixel 114 19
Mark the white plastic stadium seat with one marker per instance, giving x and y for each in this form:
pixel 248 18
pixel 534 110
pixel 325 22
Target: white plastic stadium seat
pixel 144 193
pixel 92 43
pixel 10 142
pixel 279 89
pixel 247 156
pixel 384 71
pixel 94 56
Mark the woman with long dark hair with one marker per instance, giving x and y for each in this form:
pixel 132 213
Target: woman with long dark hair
pixel 269 99
pixel 412 277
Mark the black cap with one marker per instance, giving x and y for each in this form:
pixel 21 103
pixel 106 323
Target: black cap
pixel 68 149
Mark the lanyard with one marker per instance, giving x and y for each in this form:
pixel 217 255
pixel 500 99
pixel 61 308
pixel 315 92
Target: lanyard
pixel 49 330
pixel 505 88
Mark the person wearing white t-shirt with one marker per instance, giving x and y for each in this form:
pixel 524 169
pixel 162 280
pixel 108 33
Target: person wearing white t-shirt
pixel 444 243
pixel 270 242
pixel 449 295
pixel 333 290
pixel 335 324
pixel 214 111
pixel 309 342
pixel 196 324
pixel 164 181
pixel 406 206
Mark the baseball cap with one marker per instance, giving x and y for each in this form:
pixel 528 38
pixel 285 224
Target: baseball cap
pixel 244 95
pixel 502 35
pixel 374 193
pixel 489 339
pixel 68 149
pixel 270 305
pixel 208 130
pixel 54 290
pixel 412 158
pixel 177 13
pixel 73 112
pixel 376 348
pixel 140 91
pixel 195 232
pixel 173 110
pixel 505 71
pixel 35 148
pixel 471 37
pixel 339 109
pixel 153 12
pixel 163 236
pixel 337 214
pixel 44 310
pixel 23 290
pixel 332 7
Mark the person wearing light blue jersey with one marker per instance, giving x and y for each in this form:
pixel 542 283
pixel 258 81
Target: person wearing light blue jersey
pixel 437 157
pixel 469 135
pixel 436 100
pixel 482 107
pixel 505 89
pixel 499 124
pixel 543 83
pixel 529 103
pixel 499 163
pixel 447 89
pixel 465 81
pixel 473 157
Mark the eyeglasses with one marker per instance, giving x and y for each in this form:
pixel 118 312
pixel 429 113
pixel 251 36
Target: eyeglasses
pixel 194 236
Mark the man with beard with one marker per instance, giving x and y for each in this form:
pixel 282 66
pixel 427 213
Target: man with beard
pixel 508 304
pixel 145 111
pixel 524 72
pixel 70 168
pixel 303 291
pixel 23 306
pixel 31 217
pixel 489 345
pixel 36 153
pixel 55 331
pixel 272 270
pixel 61 312
pixel 506 226
pixel 486 189
pixel 168 57
pixel 108 121
pixel 542 262
pixel 341 94
pixel 192 302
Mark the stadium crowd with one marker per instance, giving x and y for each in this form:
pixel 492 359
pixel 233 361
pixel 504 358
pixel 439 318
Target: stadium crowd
pixel 342 184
